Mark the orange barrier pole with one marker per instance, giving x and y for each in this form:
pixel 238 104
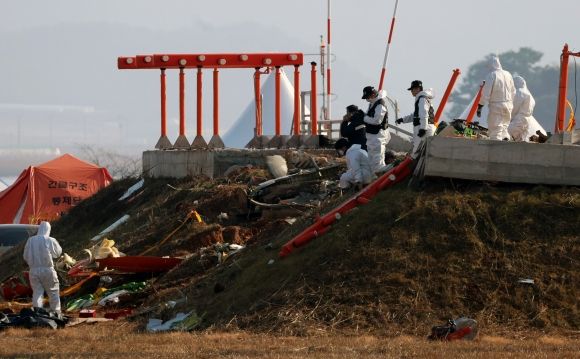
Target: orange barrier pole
pixel 313 101
pixel 215 102
pixel 163 104
pixel 257 92
pixel 561 111
pixel 278 95
pixel 446 95
pixel 296 100
pixel 181 102
pixel 384 70
pixel 322 225
pixel 199 101
pixel 475 104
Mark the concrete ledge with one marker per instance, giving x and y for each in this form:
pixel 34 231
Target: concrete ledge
pixel 211 163
pixel 499 161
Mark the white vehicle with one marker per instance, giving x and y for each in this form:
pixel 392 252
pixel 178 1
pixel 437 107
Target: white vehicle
pixel 13 234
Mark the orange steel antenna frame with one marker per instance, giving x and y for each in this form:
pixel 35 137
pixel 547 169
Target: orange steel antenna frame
pixel 215 62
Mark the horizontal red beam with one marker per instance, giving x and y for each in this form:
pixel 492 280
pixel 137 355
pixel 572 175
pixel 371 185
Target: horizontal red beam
pixel 175 61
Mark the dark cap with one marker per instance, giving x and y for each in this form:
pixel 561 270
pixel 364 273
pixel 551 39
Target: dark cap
pixel 351 108
pixel 416 83
pixel 367 92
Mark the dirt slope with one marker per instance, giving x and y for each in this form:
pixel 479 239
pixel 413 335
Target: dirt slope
pixel 405 261
pixel 410 259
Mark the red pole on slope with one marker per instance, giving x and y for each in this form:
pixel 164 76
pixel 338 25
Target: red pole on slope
pixel 277 108
pixel 296 100
pixel 199 101
pixel 181 102
pixel 475 104
pixel 215 102
pixel 313 101
pixel 384 70
pixel 163 104
pixel 446 95
pixel 561 111
pixel 257 92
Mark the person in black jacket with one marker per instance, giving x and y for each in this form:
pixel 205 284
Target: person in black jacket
pixel 353 127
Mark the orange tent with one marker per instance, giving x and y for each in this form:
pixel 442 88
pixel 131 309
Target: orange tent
pixel 46 191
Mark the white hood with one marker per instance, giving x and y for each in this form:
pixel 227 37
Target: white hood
pixel 427 93
pixel 520 83
pixel 44 229
pixel 494 63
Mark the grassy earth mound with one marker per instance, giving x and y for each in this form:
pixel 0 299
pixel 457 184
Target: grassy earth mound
pixel 408 260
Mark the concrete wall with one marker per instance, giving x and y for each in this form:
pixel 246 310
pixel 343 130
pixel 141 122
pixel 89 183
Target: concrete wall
pixel 517 162
pixel 212 163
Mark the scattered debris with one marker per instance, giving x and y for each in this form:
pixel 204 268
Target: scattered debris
pixel 33 318
pixel 112 227
pixel 277 166
pixel 134 188
pixel 462 328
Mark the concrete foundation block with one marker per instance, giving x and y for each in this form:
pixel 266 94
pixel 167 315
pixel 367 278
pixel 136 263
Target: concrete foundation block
pixel 181 143
pixel 216 142
pixel 199 143
pixel 163 143
pixel 259 142
pixel 278 141
pixel 311 141
pixel 295 141
pixel 503 161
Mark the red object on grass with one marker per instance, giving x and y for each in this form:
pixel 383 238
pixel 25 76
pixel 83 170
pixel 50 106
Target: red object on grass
pixel 139 264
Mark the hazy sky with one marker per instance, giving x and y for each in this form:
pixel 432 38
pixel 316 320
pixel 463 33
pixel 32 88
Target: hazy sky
pixel 431 38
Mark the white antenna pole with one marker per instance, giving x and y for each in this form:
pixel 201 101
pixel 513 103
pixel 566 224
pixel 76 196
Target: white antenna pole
pixel 384 70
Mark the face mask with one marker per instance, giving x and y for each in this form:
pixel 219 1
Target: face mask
pixel 369 100
pixel 340 152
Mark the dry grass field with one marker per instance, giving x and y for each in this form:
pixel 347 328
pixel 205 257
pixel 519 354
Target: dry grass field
pixel 119 340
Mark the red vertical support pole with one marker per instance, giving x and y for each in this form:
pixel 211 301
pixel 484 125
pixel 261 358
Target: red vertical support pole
pixel 313 101
pixel 257 95
pixel 296 100
pixel 181 102
pixel 181 141
pixel 475 104
pixel 163 141
pixel 277 109
pixel 199 141
pixel 163 104
pixel 199 102
pixel 216 141
pixel 446 95
pixel 216 102
pixel 561 111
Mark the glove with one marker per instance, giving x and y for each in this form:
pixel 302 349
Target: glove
pixel 399 121
pixel 421 133
pixel 479 110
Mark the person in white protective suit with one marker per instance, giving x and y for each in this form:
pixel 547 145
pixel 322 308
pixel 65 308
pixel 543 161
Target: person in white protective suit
pixel 39 252
pixel 358 171
pixel 422 117
pixel 376 121
pixel 522 113
pixel 498 94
